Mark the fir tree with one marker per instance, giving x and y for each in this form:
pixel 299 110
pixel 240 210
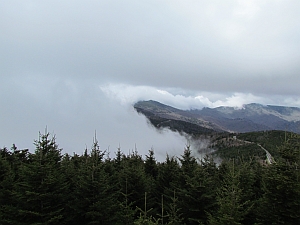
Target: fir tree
pixel 7 186
pixel 42 185
pixel 173 212
pixel 231 207
pixel 281 200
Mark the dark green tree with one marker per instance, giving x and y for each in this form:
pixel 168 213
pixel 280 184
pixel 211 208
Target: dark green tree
pixel 42 185
pixel 94 199
pixel 167 180
pixel 132 181
pixel 7 187
pixel 151 172
pixel 151 165
pixel 231 207
pixel 188 186
pixel 281 199
pixel 173 212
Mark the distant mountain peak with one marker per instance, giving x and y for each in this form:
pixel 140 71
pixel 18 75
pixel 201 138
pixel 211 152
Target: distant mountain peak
pixel 250 117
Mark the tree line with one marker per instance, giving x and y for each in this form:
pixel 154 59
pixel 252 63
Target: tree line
pixel 48 187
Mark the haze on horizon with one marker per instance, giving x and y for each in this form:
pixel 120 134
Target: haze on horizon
pixel 78 66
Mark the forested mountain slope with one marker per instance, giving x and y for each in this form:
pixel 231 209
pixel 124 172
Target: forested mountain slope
pixel 252 117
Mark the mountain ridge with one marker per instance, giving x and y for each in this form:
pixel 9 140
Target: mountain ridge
pixel 251 117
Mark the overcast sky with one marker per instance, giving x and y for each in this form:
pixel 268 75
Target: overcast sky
pixel 77 66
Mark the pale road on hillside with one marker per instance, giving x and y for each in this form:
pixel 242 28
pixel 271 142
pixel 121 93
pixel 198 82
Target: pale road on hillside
pixel 270 158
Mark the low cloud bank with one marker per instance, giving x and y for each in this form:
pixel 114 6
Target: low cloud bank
pixel 186 99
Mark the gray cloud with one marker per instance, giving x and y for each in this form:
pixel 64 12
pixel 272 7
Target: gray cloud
pixel 61 62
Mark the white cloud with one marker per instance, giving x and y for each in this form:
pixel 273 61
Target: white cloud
pixel 238 100
pixel 129 94
pixel 248 9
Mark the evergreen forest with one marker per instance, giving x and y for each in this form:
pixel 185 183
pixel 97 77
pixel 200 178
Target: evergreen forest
pixel 48 187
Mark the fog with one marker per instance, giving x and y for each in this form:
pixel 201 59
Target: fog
pixel 77 67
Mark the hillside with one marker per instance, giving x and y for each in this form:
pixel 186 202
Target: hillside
pixel 249 145
pixel 250 118
pixel 230 132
